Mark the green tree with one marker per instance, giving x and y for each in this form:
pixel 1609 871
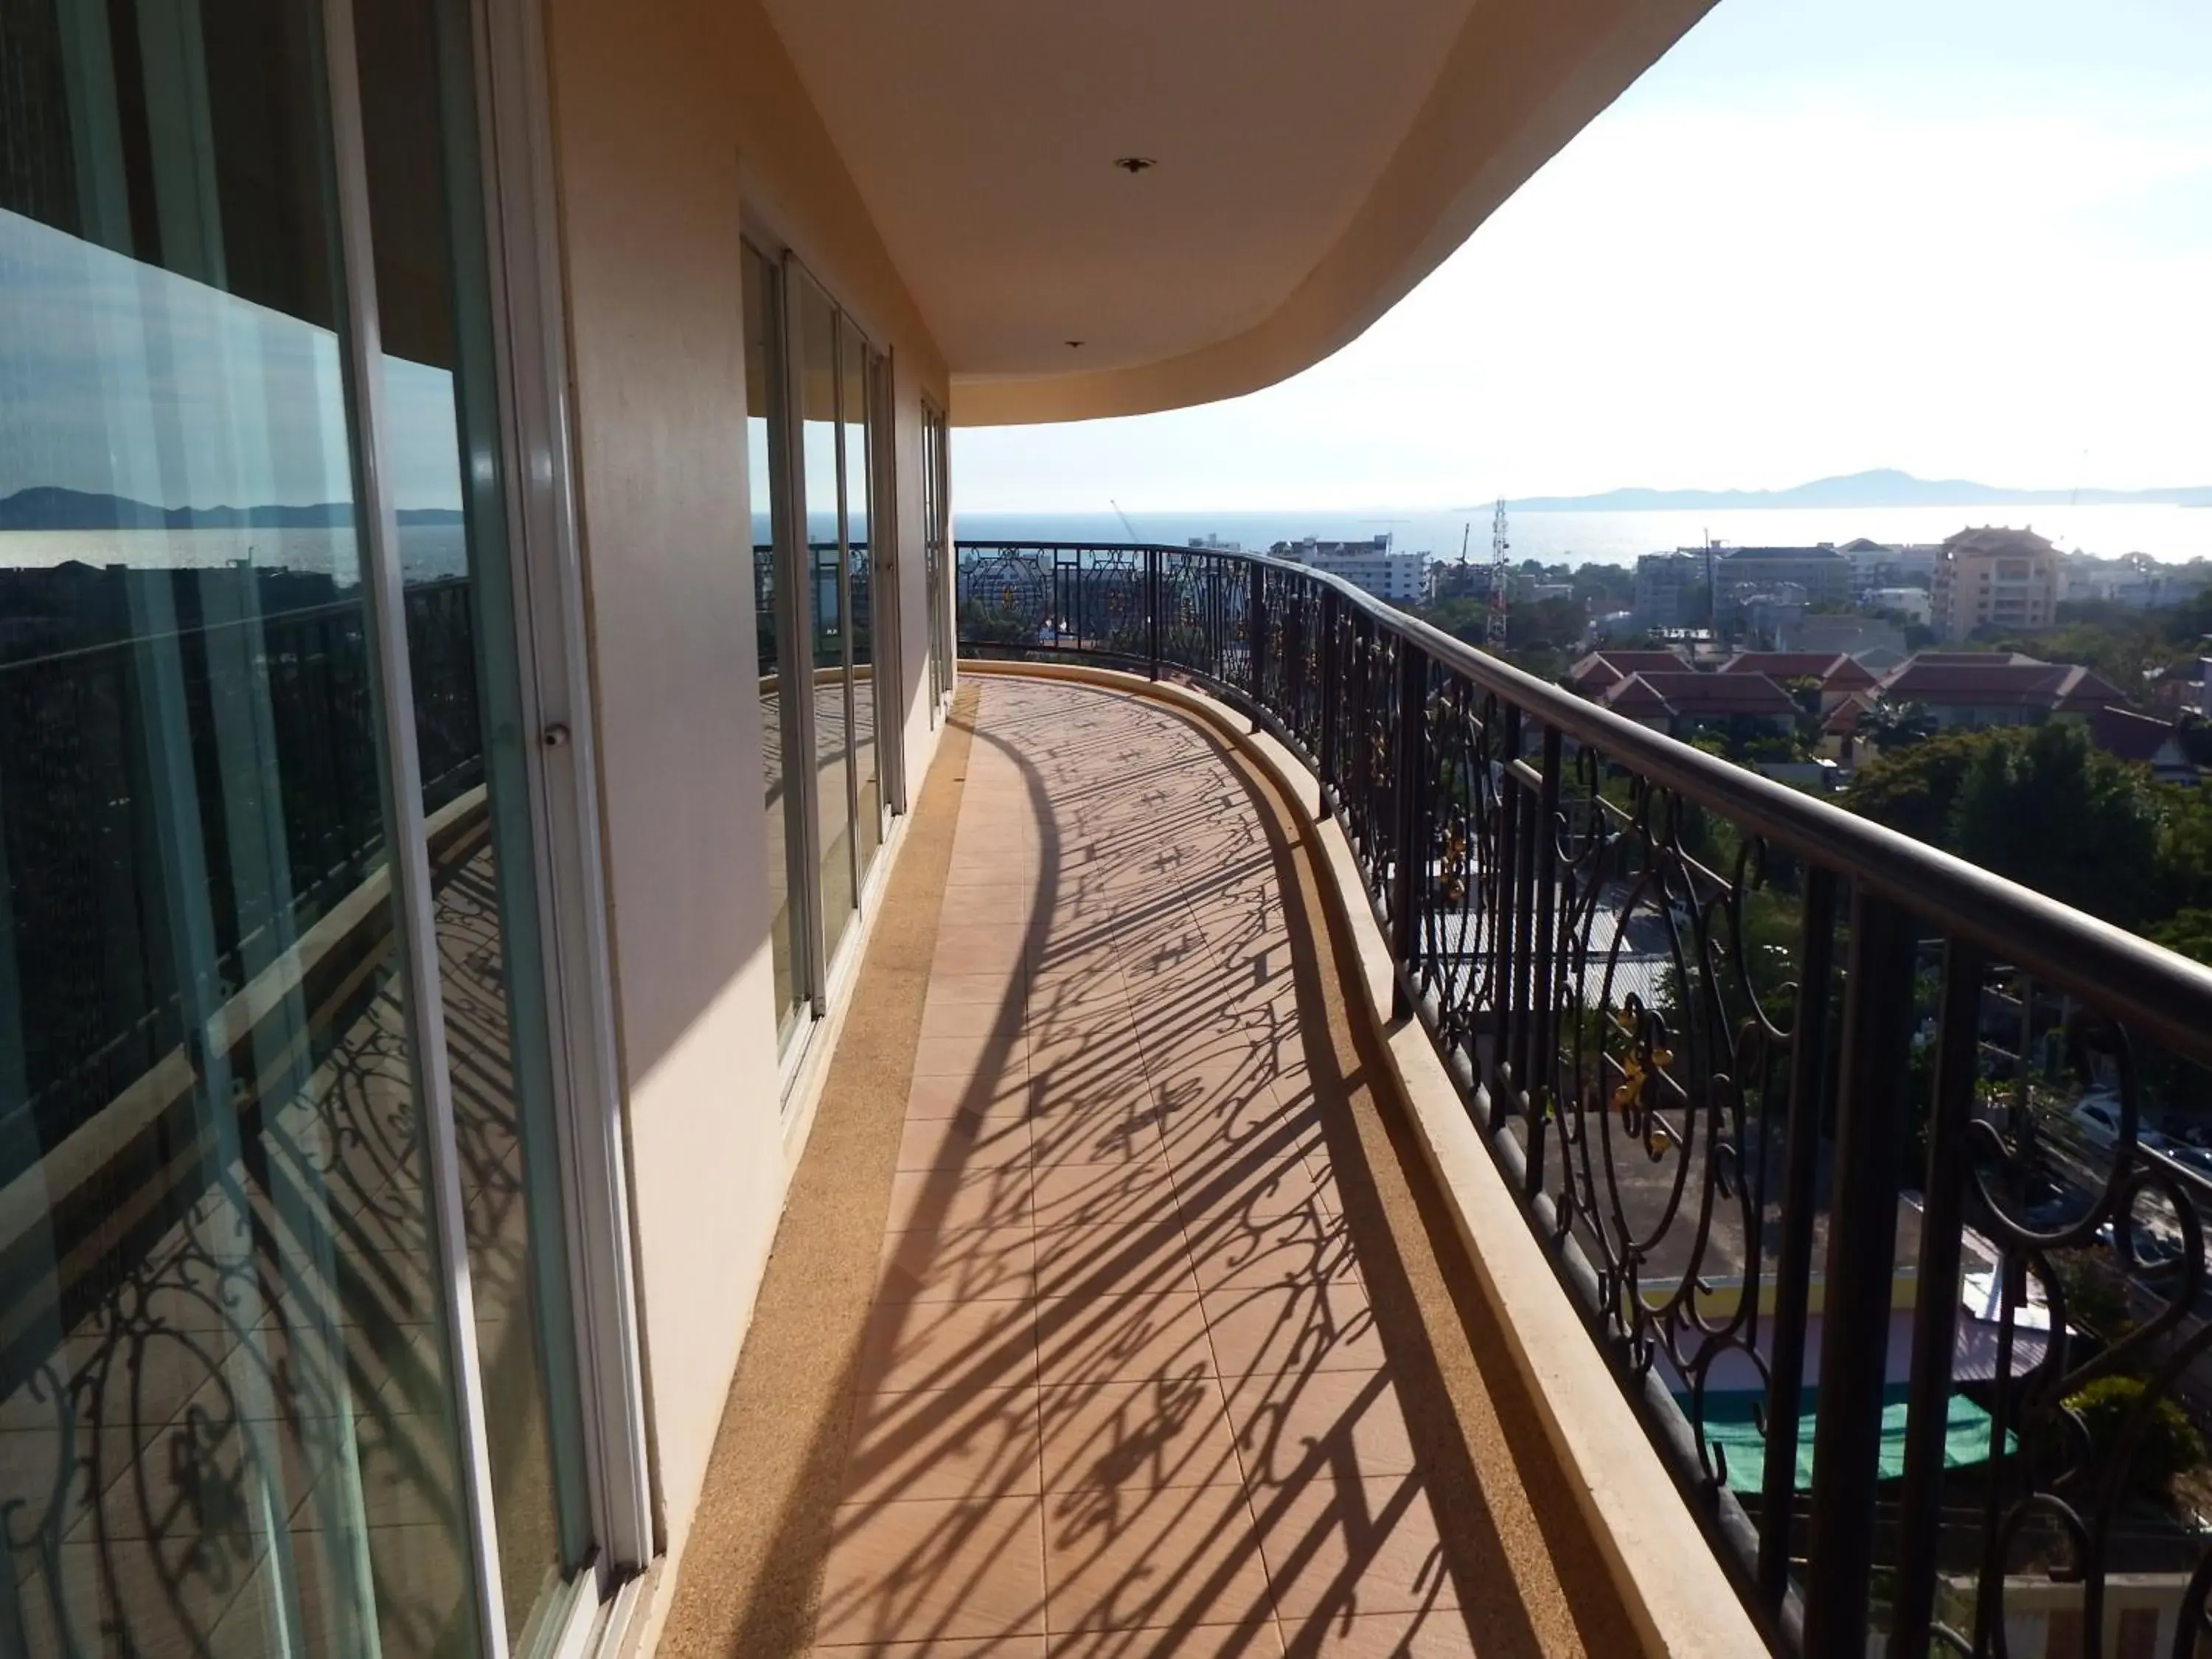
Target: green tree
pixel 2186 932
pixel 2051 811
pixel 1544 625
pixel 2169 1445
pixel 1914 788
pixel 1894 726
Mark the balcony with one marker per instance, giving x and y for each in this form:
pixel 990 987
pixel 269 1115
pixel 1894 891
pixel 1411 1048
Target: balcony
pixel 1836 1149
pixel 1159 1355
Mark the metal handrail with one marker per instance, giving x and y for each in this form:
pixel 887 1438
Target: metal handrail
pixel 1682 1119
pixel 2171 994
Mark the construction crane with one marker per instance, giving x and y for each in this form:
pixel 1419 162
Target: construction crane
pixel 1493 633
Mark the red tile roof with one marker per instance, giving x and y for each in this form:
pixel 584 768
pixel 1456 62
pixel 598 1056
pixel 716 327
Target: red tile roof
pixel 1990 680
pixel 1602 668
pixel 1699 696
pixel 2130 736
pixel 1844 719
pixel 1835 671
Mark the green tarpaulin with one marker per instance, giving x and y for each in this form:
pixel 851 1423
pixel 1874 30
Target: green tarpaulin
pixel 1729 1427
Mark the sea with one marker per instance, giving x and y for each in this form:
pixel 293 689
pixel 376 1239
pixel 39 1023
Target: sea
pixel 2172 534
pixel 426 551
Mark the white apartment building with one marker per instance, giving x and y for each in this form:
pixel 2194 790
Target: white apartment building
pixel 1369 566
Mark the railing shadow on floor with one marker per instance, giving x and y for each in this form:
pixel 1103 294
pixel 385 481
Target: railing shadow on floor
pixel 1124 1349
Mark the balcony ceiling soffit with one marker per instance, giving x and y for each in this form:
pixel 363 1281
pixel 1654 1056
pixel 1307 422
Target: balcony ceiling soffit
pixel 982 135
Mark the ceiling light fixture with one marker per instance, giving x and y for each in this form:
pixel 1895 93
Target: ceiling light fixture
pixel 1135 164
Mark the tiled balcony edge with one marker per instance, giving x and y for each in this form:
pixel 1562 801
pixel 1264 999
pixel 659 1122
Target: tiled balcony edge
pixel 1668 1577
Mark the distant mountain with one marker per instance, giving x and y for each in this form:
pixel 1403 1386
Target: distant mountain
pixel 1884 488
pixel 45 508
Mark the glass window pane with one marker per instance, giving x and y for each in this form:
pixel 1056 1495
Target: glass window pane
pixel 817 412
pixel 226 1404
pixel 764 418
pixel 443 466
pixel 868 823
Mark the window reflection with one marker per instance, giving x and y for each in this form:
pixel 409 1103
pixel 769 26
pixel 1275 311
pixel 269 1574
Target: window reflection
pixel 764 415
pixel 827 594
pixel 867 771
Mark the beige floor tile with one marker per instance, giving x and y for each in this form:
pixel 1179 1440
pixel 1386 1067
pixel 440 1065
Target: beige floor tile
pixel 1121 1339
pixel 939 1443
pixel 1093 1084
pixel 1247 1192
pixel 969 1142
pixel 981 1016
pixel 1327 1327
pixel 1255 1639
pixel 993 1053
pixel 979 1264
pixel 948 1096
pixel 1125 1193
pixel 1100 1134
pixel 1436 1634
pixel 1292 1249
pixel 1059 1044
pixel 979 1647
pixel 1091 1261
pixel 934 1569
pixel 1302 1427
pixel 1003 902
pixel 1352 1547
pixel 1181 1559
pixel 948 1200
pixel 947 1345
pixel 1136 1436
pixel 1007 987
pixel 980 949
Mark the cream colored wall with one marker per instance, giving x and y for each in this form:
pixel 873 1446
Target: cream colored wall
pixel 667 118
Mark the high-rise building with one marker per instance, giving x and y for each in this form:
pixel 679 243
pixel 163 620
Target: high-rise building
pixel 1995 577
pixel 1666 584
pixel 1370 566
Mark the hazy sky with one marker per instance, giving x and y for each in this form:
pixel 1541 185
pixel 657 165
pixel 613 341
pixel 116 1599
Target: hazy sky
pixel 1967 238
pixel 120 378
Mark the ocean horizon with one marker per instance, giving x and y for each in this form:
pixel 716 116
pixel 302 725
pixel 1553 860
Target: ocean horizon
pixel 2169 534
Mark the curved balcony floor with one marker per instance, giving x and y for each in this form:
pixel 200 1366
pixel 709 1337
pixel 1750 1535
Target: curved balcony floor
pixel 1162 1349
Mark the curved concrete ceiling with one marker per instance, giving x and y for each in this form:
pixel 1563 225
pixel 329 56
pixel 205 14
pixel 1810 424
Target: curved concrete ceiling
pixel 1314 160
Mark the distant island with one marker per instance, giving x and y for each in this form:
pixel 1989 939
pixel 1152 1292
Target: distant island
pixel 1886 487
pixel 45 508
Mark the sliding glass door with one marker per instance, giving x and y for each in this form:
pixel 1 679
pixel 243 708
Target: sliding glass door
pixel 288 1357
pixel 815 397
pixel 935 557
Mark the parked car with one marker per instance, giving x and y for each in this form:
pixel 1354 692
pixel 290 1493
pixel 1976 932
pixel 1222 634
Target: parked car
pixel 2096 1118
pixel 2150 1249
pixel 2192 1157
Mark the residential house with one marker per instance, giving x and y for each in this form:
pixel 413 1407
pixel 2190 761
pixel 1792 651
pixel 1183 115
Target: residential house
pixel 1987 688
pixel 1592 674
pixel 1839 676
pixel 1686 702
pixel 2144 739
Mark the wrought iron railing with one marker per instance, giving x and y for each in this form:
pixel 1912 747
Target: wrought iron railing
pixel 1843 1146
pixel 80 817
